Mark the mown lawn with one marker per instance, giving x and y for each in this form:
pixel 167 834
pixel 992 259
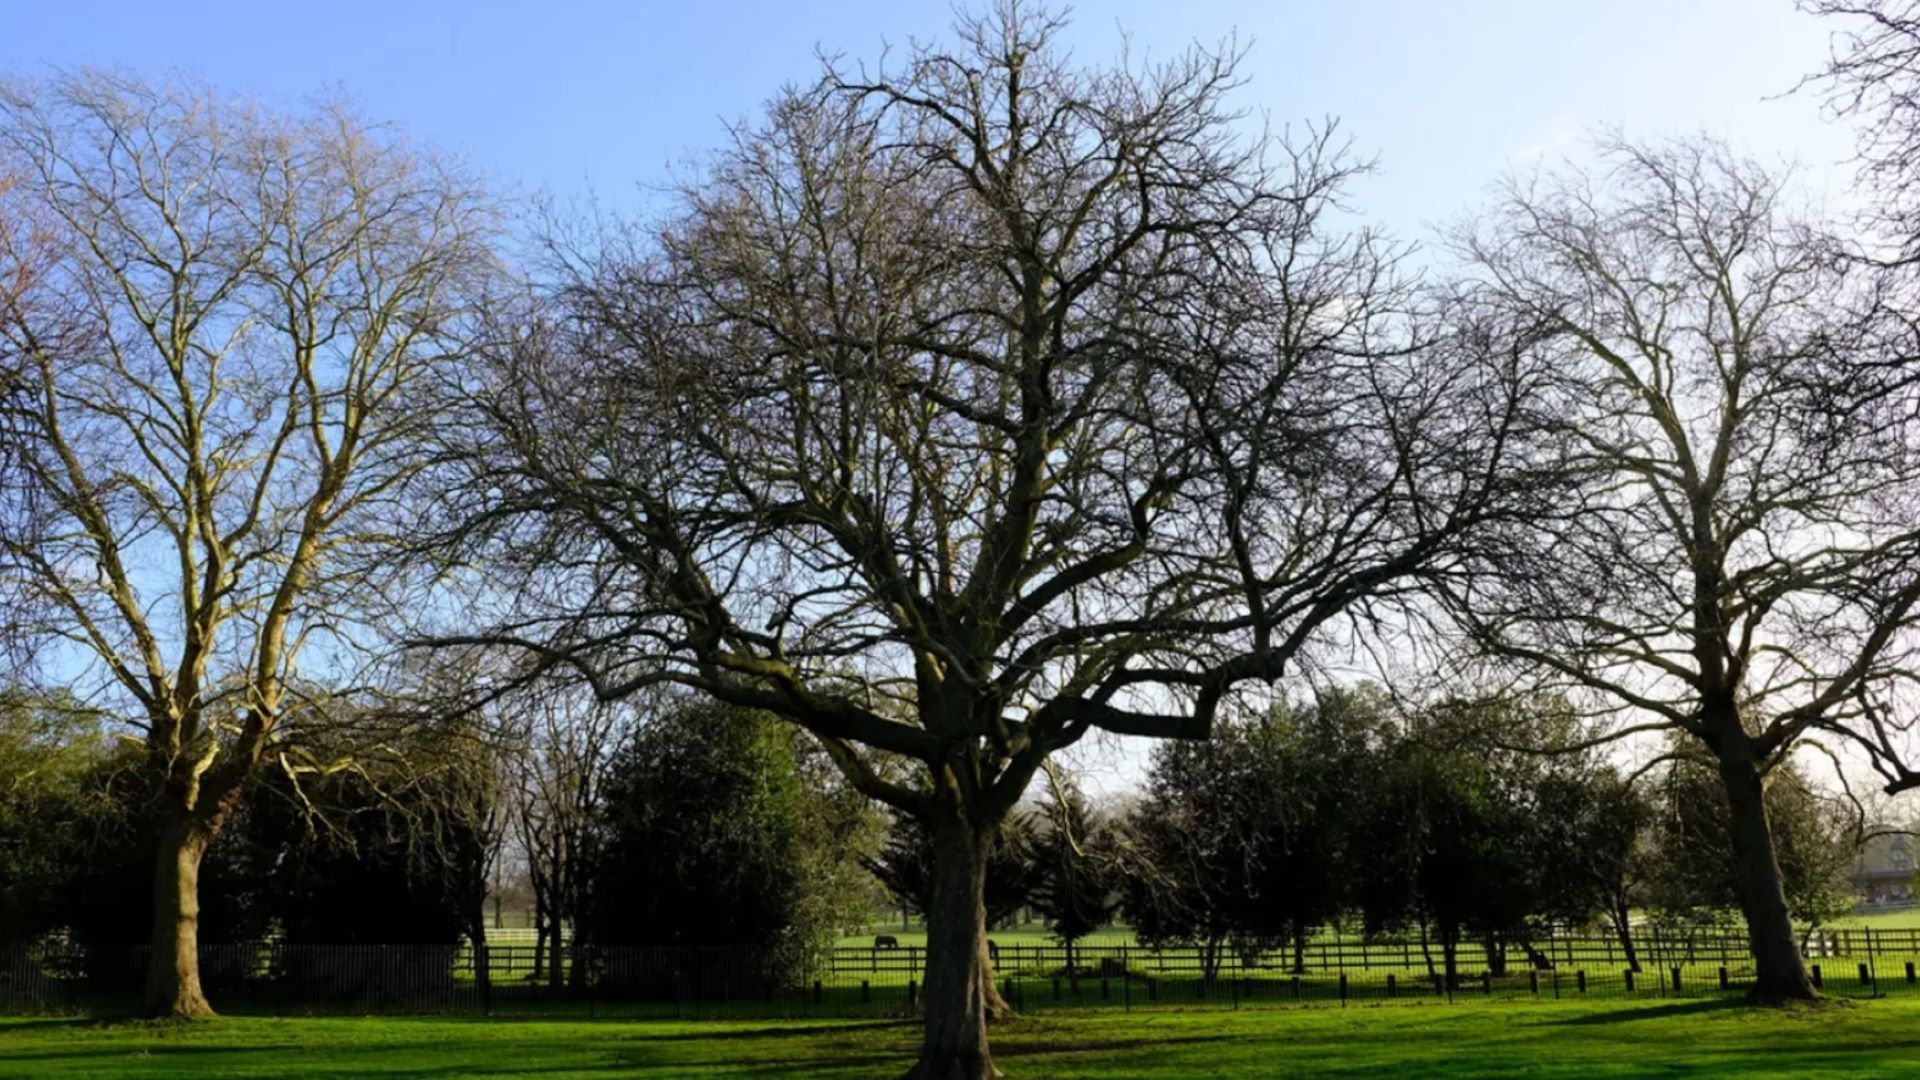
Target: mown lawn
pixel 1697 1038
pixel 1902 919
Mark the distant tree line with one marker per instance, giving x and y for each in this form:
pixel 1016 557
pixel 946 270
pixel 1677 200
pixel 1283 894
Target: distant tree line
pixel 717 826
pixel 708 826
pixel 1345 812
pixel 373 852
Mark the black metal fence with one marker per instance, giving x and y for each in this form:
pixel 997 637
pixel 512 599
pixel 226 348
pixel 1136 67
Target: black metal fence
pixel 278 978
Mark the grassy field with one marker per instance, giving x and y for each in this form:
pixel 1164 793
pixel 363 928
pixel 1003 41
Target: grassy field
pixel 1904 919
pixel 1700 1038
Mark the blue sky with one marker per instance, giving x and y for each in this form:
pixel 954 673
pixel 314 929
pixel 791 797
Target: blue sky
pixel 556 95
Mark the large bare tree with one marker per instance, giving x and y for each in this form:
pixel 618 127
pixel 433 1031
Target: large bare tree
pixel 220 364
pixel 1737 559
pixel 966 407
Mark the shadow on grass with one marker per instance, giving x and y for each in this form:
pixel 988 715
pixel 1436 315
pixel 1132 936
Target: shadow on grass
pixel 1656 1012
pixel 747 1030
pixel 1013 1047
pixel 54 1023
pixel 79 1053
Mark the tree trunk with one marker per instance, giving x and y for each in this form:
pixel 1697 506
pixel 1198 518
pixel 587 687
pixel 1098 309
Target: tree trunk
pixel 539 936
pixel 960 995
pixel 997 1006
pixel 1496 949
pixel 173 964
pixel 1623 926
pixel 1780 974
pixel 482 955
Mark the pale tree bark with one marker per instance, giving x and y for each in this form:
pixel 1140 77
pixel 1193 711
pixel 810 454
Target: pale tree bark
pixel 173 979
pixel 220 364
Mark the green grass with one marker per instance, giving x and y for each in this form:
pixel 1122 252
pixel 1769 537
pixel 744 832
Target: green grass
pixel 1693 1038
pixel 1903 919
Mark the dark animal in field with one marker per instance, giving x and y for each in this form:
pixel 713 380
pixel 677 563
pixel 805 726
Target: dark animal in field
pixel 1112 967
pixel 993 950
pixel 885 941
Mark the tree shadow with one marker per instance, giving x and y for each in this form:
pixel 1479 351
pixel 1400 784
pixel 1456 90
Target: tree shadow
pixel 1656 1012
pixel 747 1031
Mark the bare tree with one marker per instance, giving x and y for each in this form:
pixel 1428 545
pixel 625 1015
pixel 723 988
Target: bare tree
pixel 221 362
pixel 1738 560
pixel 964 409
pixel 563 741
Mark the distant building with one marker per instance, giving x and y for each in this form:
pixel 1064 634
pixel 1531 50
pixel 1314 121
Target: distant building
pixel 1884 876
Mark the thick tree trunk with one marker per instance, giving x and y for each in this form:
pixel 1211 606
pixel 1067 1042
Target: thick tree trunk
pixel 173 964
pixel 960 995
pixel 1780 974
